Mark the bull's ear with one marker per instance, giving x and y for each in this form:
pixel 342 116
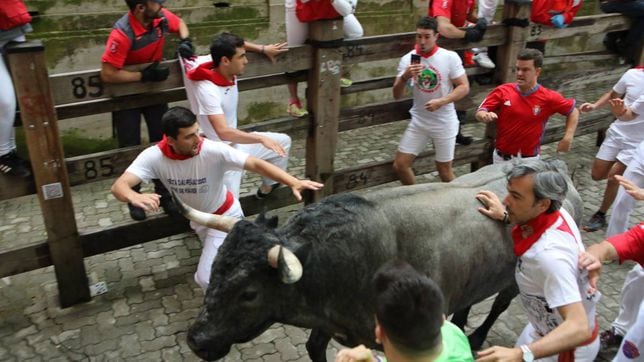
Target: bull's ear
pixel 286 263
pixel 270 222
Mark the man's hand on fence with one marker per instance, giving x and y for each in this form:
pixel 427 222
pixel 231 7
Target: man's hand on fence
pixel 154 73
pixel 475 33
pixel 185 49
pixel 273 50
pixel 558 21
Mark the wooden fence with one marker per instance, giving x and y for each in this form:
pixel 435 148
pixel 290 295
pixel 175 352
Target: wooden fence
pixel 44 100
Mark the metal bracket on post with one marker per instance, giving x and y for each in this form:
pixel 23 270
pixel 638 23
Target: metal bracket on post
pixel 31 82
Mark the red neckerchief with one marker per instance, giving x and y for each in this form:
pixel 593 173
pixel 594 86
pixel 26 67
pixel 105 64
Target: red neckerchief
pixel 169 152
pixel 526 235
pixel 205 71
pixel 428 54
pixel 639 67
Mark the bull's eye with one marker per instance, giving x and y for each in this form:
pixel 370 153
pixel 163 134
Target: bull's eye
pixel 249 295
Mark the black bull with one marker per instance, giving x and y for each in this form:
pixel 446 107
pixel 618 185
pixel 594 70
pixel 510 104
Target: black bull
pixel 340 242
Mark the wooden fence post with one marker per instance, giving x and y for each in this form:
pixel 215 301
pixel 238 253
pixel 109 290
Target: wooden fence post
pixel 507 55
pixel 516 40
pixel 323 99
pixel 31 81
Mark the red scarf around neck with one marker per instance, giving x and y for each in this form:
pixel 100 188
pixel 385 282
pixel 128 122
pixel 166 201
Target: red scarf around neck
pixel 168 152
pixel 207 71
pixel 428 54
pixel 526 235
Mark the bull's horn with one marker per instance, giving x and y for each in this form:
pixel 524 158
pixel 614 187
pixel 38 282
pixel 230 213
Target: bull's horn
pixel 219 222
pixel 286 262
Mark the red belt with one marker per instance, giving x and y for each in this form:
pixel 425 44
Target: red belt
pixel 230 200
pixel 569 355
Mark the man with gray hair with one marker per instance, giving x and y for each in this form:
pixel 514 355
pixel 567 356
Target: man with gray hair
pixel 555 294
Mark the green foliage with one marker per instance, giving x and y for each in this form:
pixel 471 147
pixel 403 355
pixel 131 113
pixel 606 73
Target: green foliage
pixel 75 143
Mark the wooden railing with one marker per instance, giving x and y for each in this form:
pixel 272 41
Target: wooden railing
pixel 44 100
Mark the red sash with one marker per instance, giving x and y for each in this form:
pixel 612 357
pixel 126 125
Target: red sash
pixel 230 200
pixel 569 355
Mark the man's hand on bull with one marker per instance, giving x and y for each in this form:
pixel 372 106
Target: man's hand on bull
pixel 500 354
pixel 148 202
pixel 300 185
pixel 493 207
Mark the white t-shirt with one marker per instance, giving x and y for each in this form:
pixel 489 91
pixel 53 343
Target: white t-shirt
pixel 631 84
pixel 199 180
pixel 207 98
pixel 548 277
pixel 435 81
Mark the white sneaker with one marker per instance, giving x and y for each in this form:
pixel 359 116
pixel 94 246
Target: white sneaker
pixel 483 60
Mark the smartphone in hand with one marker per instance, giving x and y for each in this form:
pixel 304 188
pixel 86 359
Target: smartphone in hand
pixel 415 59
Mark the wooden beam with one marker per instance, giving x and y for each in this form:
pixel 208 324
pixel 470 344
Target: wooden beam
pixel 83 86
pixel 581 25
pixel 29 73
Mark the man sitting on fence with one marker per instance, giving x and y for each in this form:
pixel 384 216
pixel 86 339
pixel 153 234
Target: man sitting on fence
pixel 211 85
pixel 438 79
pixel 522 109
pixel 193 168
pixel 137 38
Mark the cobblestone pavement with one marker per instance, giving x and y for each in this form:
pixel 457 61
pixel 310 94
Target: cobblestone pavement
pixel 152 297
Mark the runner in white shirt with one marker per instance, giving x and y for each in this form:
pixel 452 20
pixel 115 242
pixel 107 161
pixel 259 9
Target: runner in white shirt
pixel 211 85
pixel 193 168
pixel 622 138
pixel 554 292
pixel 438 80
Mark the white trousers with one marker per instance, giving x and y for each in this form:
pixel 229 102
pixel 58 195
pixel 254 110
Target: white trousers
pixel 630 299
pixel 7 110
pixel 232 179
pixel 632 347
pixel 211 240
pixel 582 354
pixel 625 203
pixel 297 31
pixel 487 9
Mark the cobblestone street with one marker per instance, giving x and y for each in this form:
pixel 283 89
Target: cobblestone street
pixel 152 297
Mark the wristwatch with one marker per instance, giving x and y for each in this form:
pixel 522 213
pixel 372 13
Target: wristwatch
pixel 527 353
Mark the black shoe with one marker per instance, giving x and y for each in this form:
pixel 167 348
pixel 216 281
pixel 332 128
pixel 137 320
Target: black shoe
pixel 11 164
pixel 261 195
pixel 169 206
pixel 136 213
pixel 463 140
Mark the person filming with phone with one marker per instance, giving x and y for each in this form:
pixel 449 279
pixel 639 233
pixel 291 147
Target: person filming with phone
pixel 437 79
